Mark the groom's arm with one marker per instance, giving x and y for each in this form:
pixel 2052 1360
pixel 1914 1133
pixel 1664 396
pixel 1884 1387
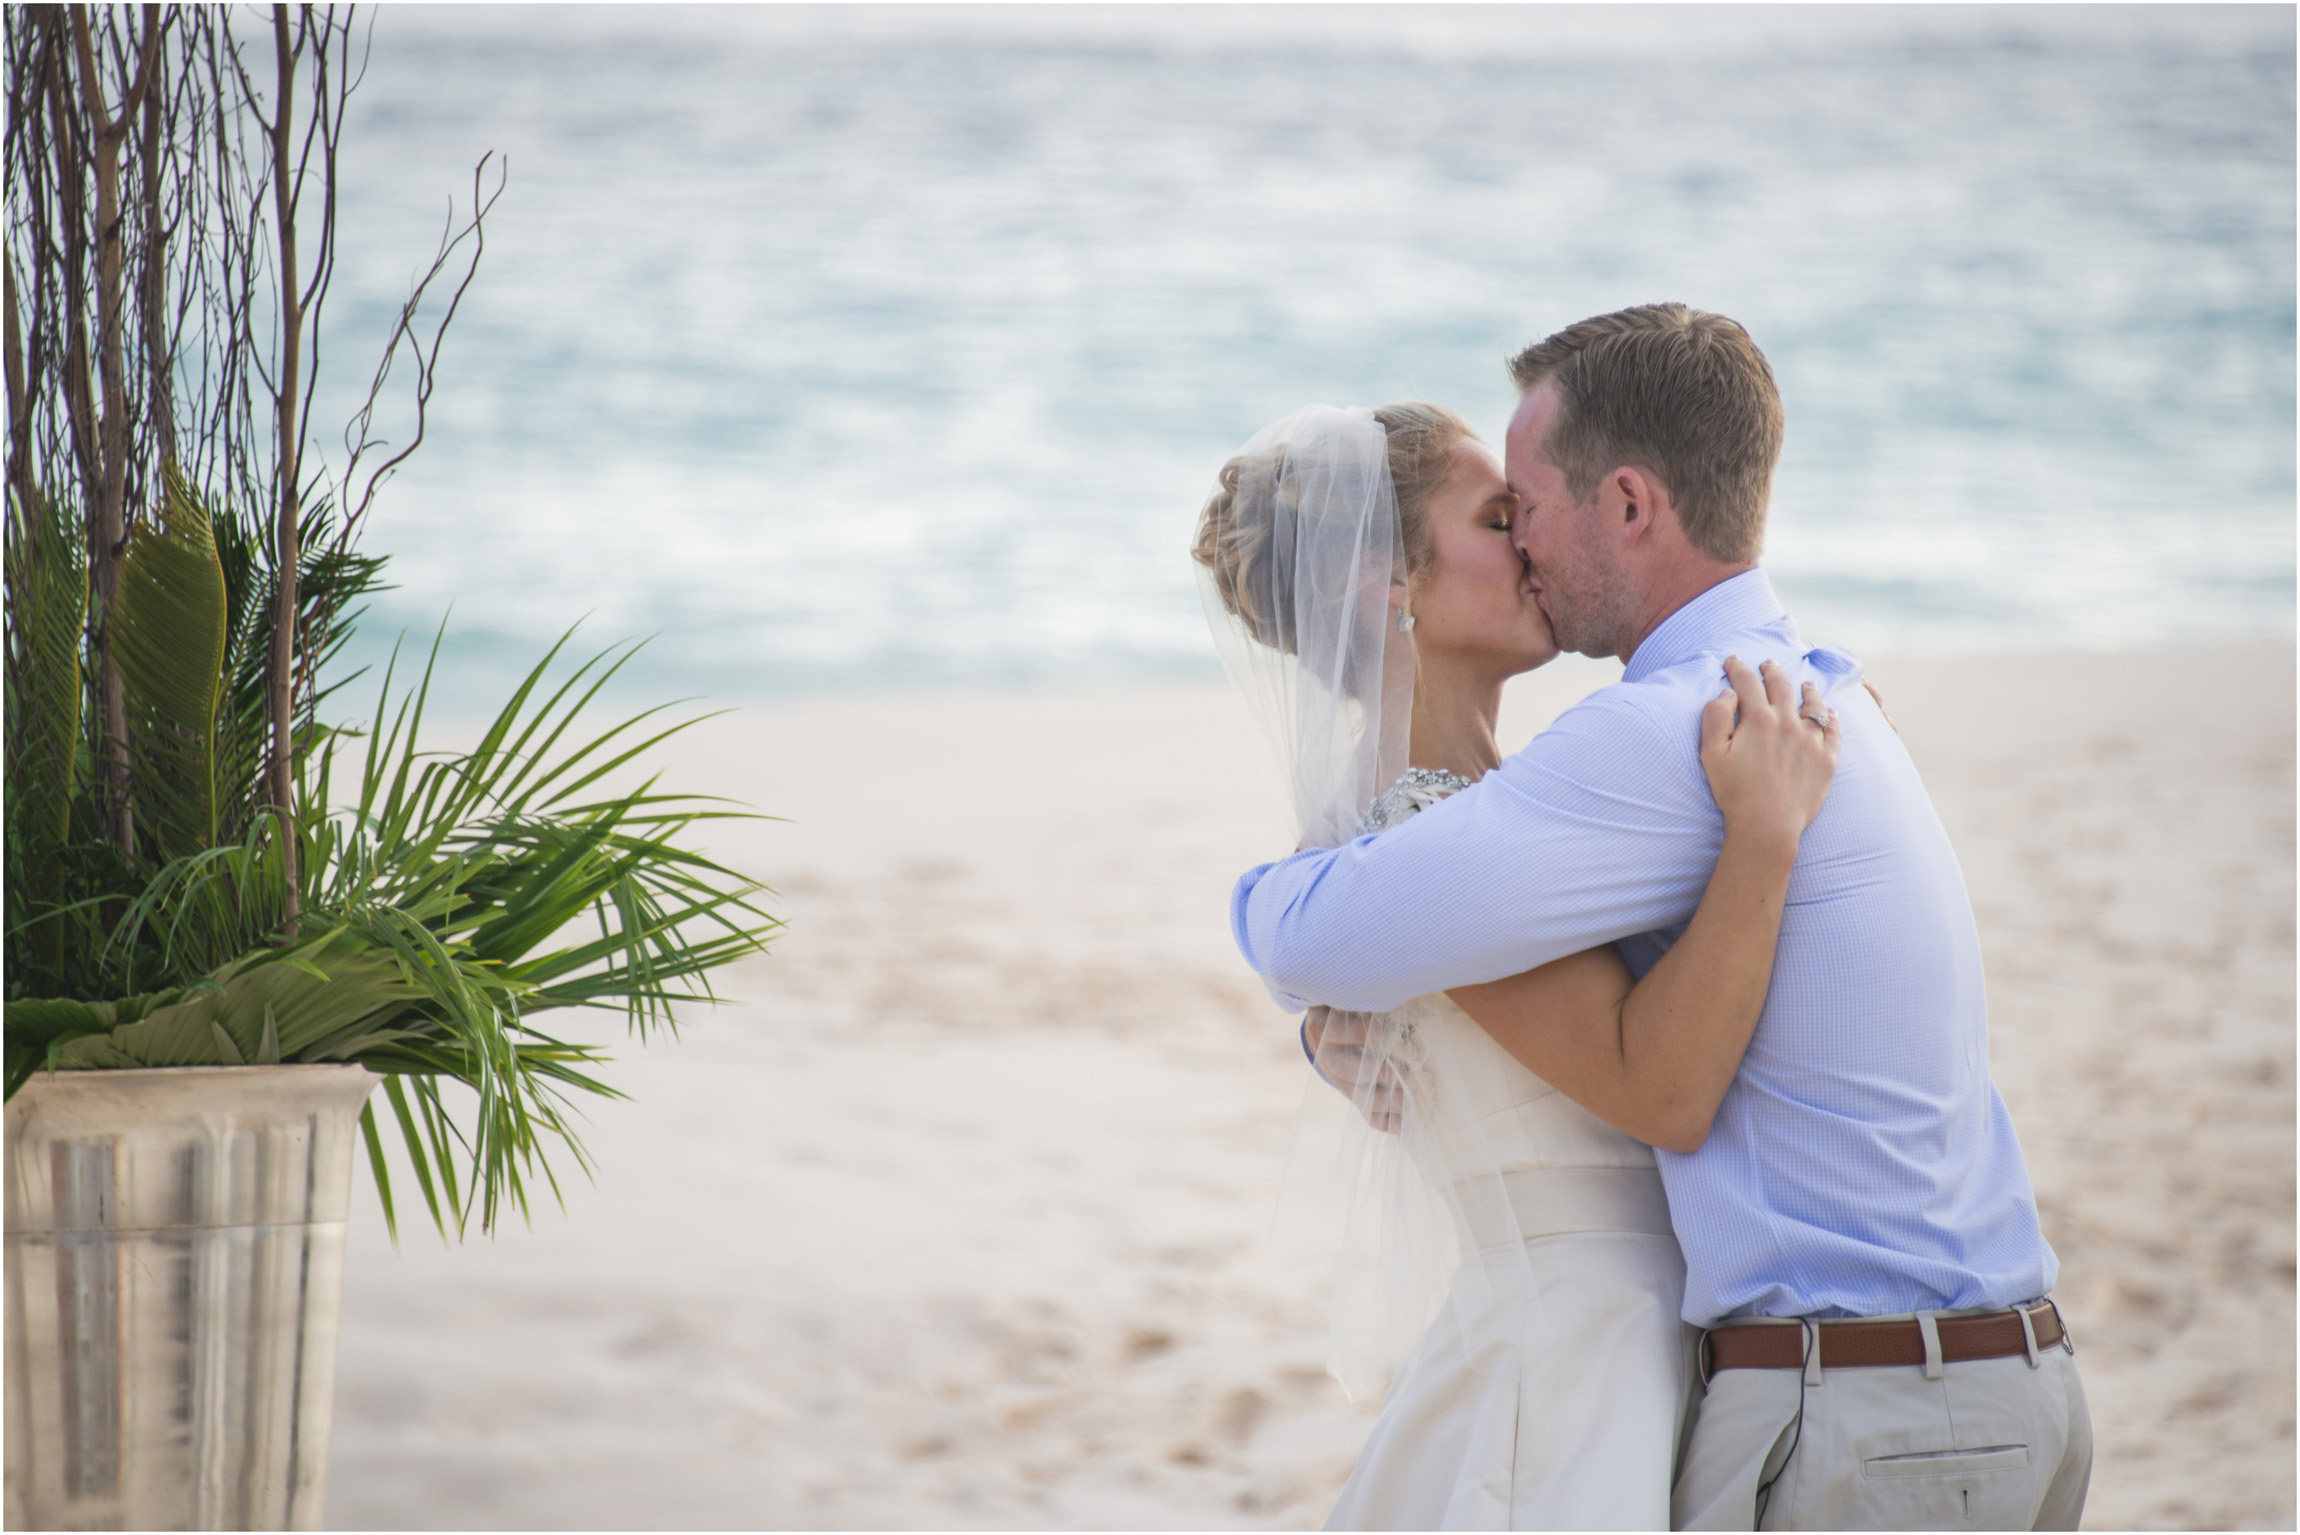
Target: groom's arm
pixel 1602 828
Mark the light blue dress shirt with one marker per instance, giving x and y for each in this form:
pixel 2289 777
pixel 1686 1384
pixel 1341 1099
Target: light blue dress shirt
pixel 1862 1163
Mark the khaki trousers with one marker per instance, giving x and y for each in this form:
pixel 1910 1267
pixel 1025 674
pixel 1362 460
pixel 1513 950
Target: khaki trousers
pixel 1990 1444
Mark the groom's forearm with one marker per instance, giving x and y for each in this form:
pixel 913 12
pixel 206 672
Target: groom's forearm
pixel 1587 836
pixel 1330 928
pixel 1265 909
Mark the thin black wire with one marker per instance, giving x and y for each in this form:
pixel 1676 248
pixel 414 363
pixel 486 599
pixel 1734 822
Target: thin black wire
pixel 1797 1431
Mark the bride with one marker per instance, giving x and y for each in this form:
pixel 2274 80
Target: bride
pixel 1506 1218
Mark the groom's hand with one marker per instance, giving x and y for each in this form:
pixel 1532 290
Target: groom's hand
pixel 1348 1053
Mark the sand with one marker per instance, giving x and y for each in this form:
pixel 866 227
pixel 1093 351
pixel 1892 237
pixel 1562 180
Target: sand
pixel 960 1216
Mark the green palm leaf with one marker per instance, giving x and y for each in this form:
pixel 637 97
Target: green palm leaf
pixel 251 588
pixel 457 898
pixel 325 1000
pixel 47 606
pixel 168 634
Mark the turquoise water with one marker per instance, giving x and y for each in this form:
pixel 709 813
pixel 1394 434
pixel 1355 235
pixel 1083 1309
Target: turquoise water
pixel 872 347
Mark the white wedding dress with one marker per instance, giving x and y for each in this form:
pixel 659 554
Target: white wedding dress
pixel 1551 1391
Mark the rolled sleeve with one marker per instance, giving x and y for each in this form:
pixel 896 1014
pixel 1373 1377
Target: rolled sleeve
pixel 1242 934
pixel 1602 828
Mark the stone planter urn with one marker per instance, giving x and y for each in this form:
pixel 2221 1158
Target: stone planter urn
pixel 175 1245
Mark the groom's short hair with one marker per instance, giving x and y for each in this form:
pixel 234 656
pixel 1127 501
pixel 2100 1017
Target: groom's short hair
pixel 1680 393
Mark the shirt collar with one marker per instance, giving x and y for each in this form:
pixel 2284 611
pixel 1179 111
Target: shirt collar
pixel 1738 603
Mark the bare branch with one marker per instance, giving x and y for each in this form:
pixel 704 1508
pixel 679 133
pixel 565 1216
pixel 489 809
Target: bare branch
pixel 171 236
pixel 357 436
pixel 287 536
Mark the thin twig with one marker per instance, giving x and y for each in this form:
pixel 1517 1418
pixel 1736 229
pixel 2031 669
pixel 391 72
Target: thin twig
pixel 358 436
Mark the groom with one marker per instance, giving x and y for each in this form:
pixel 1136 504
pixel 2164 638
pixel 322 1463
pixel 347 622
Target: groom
pixel 1860 1238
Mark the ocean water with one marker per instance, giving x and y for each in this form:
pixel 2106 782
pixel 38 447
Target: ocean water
pixel 872 347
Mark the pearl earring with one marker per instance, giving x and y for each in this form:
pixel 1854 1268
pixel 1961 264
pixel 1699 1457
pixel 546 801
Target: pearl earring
pixel 1405 621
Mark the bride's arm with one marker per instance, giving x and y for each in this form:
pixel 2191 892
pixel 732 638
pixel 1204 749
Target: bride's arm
pixel 1654 1058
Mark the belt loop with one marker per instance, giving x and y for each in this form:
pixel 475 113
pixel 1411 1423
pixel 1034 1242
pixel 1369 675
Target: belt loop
pixel 1812 1331
pixel 1929 1327
pixel 1705 1357
pixel 2067 1338
pixel 2028 1333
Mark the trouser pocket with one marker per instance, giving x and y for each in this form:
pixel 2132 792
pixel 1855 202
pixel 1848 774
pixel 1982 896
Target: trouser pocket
pixel 1996 1457
pixel 1988 1487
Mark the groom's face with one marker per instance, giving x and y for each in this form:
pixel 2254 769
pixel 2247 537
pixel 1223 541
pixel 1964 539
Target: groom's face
pixel 1578 577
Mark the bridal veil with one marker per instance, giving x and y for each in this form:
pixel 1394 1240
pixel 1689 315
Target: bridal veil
pixel 1303 568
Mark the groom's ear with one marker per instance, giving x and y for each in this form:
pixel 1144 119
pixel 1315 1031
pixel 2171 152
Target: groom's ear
pixel 1641 509
pixel 1634 502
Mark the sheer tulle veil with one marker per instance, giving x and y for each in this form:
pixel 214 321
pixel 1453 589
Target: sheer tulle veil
pixel 1305 546
pixel 1302 566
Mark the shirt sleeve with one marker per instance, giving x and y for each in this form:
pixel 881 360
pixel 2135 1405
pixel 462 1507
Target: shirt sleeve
pixel 1603 827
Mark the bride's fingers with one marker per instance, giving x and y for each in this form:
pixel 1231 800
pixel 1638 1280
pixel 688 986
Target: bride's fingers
pixel 1747 686
pixel 1816 708
pixel 1780 692
pixel 1716 724
pixel 1880 698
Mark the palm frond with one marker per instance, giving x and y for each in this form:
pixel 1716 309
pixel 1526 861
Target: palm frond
pixel 325 999
pixel 251 588
pixel 169 630
pixel 47 614
pixel 457 897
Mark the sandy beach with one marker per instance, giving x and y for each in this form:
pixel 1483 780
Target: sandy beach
pixel 960 1215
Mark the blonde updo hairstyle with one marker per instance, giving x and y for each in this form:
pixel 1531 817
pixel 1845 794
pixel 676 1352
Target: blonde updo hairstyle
pixel 1238 538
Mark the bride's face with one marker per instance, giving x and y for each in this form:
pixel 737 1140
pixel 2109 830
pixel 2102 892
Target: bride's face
pixel 1474 602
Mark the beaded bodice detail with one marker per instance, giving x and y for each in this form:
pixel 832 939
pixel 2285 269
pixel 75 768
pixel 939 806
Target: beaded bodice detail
pixel 1415 788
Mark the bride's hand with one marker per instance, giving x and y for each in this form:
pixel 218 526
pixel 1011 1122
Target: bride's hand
pixel 1340 1049
pixel 1770 769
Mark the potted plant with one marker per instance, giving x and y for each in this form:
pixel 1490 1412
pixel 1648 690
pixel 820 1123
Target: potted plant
pixel 228 922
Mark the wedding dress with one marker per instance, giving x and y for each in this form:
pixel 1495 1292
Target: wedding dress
pixel 1522 1240
pixel 1558 1409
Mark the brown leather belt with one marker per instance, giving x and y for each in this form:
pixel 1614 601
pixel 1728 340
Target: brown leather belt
pixel 1853 1344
